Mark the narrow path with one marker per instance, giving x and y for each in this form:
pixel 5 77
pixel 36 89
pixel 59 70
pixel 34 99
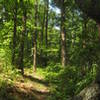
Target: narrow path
pixel 28 87
pixel 35 86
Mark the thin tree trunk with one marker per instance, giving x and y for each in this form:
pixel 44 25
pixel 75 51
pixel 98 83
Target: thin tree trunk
pixel 14 33
pixel 63 35
pixel 35 38
pixel 42 33
pixel 22 41
pixel 46 29
pixel 43 24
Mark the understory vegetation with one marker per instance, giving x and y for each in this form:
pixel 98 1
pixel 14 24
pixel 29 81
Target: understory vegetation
pixel 62 83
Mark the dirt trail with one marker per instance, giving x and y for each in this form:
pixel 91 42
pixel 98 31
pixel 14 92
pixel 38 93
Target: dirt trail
pixel 28 88
pixel 34 87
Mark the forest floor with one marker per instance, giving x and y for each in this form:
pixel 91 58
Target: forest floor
pixel 31 86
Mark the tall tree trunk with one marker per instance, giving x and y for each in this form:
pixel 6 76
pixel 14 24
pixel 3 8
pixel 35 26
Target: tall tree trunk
pixel 63 35
pixel 14 32
pixel 46 29
pixel 43 24
pixel 42 32
pixel 46 25
pixel 22 41
pixel 35 37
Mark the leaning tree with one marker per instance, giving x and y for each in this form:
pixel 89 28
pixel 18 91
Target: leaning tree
pixel 92 9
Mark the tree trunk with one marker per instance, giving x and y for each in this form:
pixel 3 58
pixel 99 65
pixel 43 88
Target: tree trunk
pixel 63 35
pixel 43 24
pixel 35 38
pixel 46 29
pixel 14 32
pixel 42 33
pixel 22 41
pixel 46 26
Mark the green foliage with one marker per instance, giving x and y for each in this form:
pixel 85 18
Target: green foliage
pixel 55 68
pixel 67 82
pixel 52 72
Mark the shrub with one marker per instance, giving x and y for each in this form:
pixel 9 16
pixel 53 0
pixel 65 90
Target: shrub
pixel 67 82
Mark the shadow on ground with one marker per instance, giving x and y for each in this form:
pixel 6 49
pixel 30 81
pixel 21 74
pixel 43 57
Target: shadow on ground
pixel 36 80
pixel 22 90
pixel 10 92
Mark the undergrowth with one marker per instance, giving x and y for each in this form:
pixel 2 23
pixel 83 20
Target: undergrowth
pixel 67 82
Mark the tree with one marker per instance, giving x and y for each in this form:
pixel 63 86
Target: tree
pixel 46 27
pixel 14 31
pixel 43 26
pixel 22 37
pixel 62 5
pixel 46 24
pixel 35 36
pixel 63 34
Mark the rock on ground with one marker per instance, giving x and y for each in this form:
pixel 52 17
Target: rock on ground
pixel 91 92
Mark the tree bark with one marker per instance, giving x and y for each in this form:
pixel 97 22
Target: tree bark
pixel 63 35
pixel 35 38
pixel 22 40
pixel 46 29
pixel 14 32
pixel 42 32
pixel 43 25
pixel 46 26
